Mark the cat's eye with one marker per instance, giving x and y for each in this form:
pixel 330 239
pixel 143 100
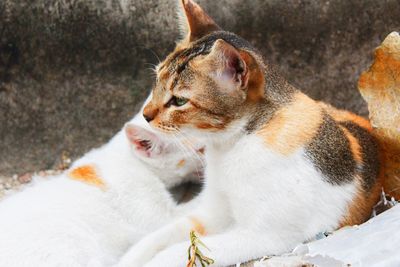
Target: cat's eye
pixel 181 101
pixel 177 101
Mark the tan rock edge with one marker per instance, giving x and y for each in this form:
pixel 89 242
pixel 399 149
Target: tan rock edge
pixel 380 87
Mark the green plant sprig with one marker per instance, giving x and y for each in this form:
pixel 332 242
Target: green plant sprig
pixel 194 252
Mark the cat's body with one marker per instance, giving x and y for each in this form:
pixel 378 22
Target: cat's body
pixel 281 167
pixel 90 214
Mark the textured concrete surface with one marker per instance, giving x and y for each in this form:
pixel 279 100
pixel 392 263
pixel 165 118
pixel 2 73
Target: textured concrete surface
pixel 73 71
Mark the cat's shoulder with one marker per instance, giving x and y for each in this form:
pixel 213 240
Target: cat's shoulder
pixel 337 142
pixel 292 125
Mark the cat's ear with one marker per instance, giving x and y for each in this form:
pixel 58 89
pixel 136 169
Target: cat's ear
pixel 231 68
pixel 145 143
pixel 194 22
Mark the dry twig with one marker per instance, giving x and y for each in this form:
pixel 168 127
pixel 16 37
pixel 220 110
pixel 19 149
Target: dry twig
pixel 194 252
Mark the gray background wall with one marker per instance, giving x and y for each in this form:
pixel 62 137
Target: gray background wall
pixel 73 71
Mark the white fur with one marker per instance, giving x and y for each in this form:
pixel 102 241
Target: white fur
pixel 255 202
pixel 64 222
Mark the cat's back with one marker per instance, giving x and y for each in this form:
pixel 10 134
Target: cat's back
pixel 51 195
pixel 338 144
pixel 358 159
pixel 55 222
pixel 358 139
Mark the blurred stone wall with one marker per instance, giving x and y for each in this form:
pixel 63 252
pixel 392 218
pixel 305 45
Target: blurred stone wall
pixel 73 71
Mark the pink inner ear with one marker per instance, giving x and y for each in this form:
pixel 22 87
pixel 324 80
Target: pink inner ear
pixel 236 64
pixel 142 140
pixel 234 68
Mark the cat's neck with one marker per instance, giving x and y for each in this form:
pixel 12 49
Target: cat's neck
pixel 278 93
pixel 223 140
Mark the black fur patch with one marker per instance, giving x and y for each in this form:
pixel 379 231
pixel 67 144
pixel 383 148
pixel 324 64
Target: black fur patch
pixel 260 116
pixel 369 170
pixel 331 153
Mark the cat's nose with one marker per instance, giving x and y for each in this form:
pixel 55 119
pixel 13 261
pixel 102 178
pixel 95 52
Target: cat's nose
pixel 148 118
pixel 149 113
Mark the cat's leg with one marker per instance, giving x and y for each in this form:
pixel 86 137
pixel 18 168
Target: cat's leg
pixel 153 243
pixel 210 217
pixel 229 248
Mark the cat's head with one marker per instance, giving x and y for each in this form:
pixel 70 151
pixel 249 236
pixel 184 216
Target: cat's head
pixel 208 82
pixel 172 161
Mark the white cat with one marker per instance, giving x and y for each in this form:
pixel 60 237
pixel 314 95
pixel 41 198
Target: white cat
pixel 107 200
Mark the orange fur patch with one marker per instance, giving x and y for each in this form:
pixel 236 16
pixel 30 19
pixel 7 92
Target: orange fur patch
pixel 293 126
pixel 181 163
pixel 360 208
pixel 197 226
pixel 87 174
pixel 354 145
pixel 205 125
pixel 256 83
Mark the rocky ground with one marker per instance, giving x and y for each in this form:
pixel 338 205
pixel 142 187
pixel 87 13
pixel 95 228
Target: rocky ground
pixel 13 183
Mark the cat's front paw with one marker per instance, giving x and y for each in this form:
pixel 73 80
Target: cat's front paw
pixel 130 261
pixel 140 254
pixel 174 256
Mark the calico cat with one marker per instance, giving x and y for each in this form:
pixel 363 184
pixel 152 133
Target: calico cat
pixel 280 166
pixel 107 200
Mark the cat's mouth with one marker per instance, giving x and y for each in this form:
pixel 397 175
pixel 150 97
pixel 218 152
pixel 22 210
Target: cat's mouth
pixel 167 129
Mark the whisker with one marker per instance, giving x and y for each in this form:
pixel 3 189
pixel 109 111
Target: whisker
pixel 187 150
pixel 191 146
pixel 192 150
